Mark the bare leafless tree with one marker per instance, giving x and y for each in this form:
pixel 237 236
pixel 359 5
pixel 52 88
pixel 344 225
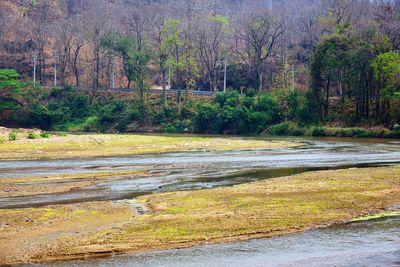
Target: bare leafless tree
pixel 42 16
pixel 210 38
pixel 260 37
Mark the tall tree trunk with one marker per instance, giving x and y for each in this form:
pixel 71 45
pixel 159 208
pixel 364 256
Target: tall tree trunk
pixel 75 64
pixel 260 79
pixel 140 88
pixel 96 66
pixel 164 86
pixel 377 105
pixel 328 84
pixel 42 66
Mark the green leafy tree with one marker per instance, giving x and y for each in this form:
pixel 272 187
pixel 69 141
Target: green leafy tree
pixel 135 58
pixel 325 68
pixel 169 42
pixel 386 69
pixel 10 89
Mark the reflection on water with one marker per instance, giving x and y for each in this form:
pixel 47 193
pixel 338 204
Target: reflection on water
pixel 372 243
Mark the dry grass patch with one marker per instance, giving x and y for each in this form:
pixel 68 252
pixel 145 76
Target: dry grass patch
pixel 261 209
pixel 34 185
pixel 181 219
pixel 97 145
pixel 29 234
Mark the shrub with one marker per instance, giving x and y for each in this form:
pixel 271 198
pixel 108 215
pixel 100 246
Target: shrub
pixel 386 133
pixel 396 133
pixel 184 126
pixel 166 114
pixel 266 102
pixel 77 105
pixel 229 98
pixel 178 126
pixel 318 131
pixel 297 132
pixel 12 136
pixel 279 129
pixel 41 116
pixel 359 132
pixel 2 140
pixel 31 135
pixel 286 128
pixel 68 88
pixel 134 115
pixel 207 118
pixel 44 135
pixel 304 115
pixel 169 128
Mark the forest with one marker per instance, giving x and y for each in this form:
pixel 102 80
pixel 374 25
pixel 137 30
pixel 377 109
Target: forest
pixel 199 133
pixel 274 67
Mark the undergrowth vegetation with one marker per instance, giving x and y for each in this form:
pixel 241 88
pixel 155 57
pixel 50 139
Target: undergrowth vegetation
pixel 293 129
pixel 279 112
pixel 90 111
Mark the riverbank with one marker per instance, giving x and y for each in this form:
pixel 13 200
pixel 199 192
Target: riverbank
pixel 293 129
pixel 108 145
pixel 182 219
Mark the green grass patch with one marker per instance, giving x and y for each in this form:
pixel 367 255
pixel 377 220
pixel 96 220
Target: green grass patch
pixel 377 216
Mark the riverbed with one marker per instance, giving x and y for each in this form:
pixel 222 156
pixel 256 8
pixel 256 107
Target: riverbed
pixel 372 243
pixel 199 170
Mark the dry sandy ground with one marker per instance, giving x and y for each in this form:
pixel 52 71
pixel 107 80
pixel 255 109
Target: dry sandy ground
pixel 36 185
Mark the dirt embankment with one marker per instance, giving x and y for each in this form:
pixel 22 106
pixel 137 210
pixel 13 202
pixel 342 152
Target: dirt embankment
pixel 7 131
pixel 181 219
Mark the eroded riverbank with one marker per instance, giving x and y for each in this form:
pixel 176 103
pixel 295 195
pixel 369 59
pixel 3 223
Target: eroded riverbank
pixel 182 219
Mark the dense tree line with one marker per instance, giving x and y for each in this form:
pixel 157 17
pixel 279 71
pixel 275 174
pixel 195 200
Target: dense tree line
pixel 342 55
pixel 279 112
pixel 70 110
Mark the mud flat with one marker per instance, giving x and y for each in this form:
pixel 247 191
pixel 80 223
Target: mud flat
pixel 183 219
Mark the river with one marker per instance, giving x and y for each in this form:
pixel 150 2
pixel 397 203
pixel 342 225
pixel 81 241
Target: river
pixel 197 170
pixel 372 243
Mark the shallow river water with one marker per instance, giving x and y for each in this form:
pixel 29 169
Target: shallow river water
pixel 196 170
pixel 372 243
